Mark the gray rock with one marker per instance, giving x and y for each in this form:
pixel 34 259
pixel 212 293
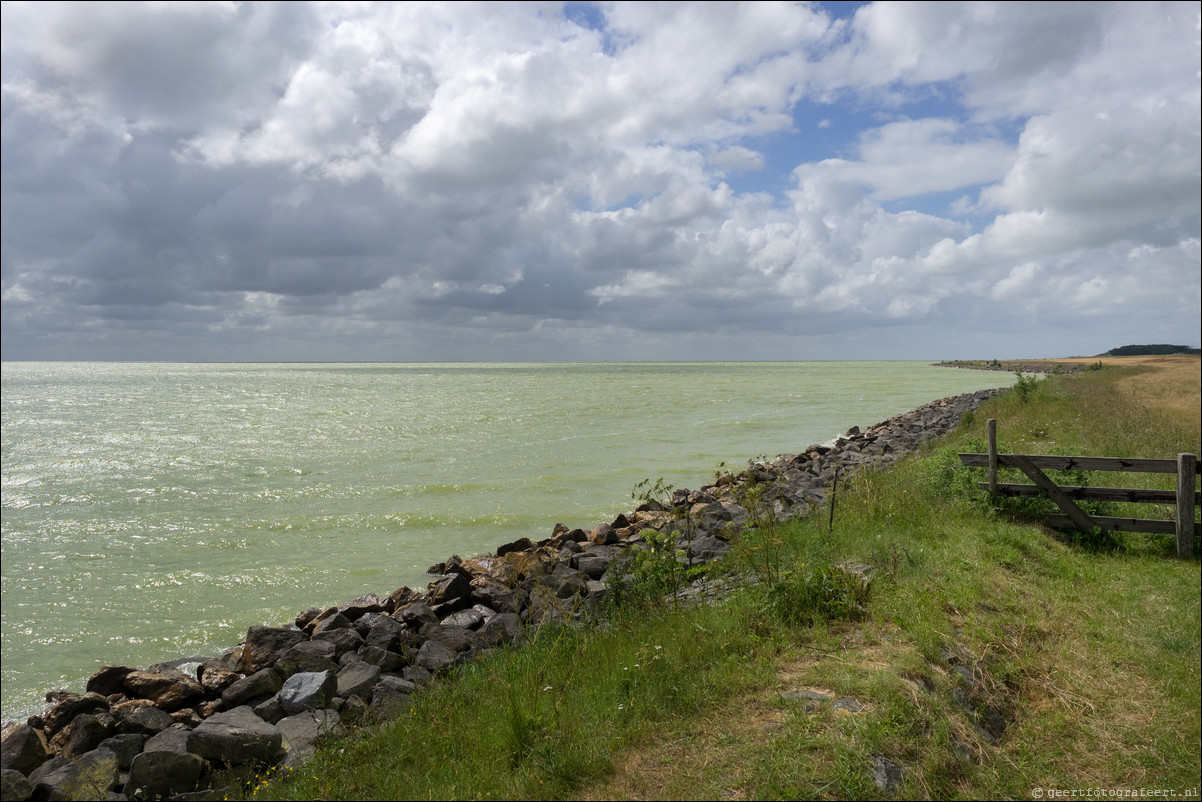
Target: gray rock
pixel 331 623
pixel 391 682
pixel 264 645
pixel 62 713
pixel 416 615
pixel 494 595
pixel 308 691
pixel 270 710
pixel 125 746
pixel 501 628
pixel 108 680
pixel 386 633
pixel 454 638
pixel 22 750
pixel 470 618
pixel 236 737
pixel 14 786
pixel 434 657
pixel 172 739
pixel 387 704
pixel 591 565
pixel 452 592
pixel 91 776
pixel 146 721
pixel 707 548
pixel 83 734
pixel 387 661
pixel 886 775
pixel 344 640
pixel 156 775
pixel 306 657
pixel 301 731
pixel 259 685
pixel 215 676
pixel 169 691
pixel 357 679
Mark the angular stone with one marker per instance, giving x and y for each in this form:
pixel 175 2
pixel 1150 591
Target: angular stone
pixel 500 628
pixel 307 657
pixel 83 734
pixel 391 682
pixel 368 603
pixel 264 645
pixel 91 776
pixel 452 592
pixel 158 775
pixel 168 691
pixel 434 657
pixel 493 594
pixel 125 746
pixel 308 691
pixel 334 621
pixel 456 639
pixel 270 710
pixel 22 749
pixel 14 786
pixel 69 707
pixel 387 703
pixel 145 721
pixel 357 679
pixel 215 676
pixel 236 737
pixel 886 775
pixel 302 730
pixel 259 685
pixel 416 614
pixel 591 565
pixel 603 534
pixel 386 633
pixel 521 544
pixel 344 640
pixel 108 680
pixel 172 739
pixel 707 548
pixel 387 661
pixel 470 618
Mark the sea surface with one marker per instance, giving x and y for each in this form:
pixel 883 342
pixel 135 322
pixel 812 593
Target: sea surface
pixel 153 511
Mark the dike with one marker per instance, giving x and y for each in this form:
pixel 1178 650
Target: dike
pixel 191 729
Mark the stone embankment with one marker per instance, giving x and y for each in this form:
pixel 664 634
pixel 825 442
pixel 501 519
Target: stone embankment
pixel 188 729
pixel 1011 365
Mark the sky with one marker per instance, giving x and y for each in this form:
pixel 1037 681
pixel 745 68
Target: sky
pixel 595 181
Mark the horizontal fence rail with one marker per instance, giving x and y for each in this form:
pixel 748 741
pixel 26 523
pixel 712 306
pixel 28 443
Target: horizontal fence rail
pixel 1185 497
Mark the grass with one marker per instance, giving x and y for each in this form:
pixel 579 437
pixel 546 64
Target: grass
pixel 989 658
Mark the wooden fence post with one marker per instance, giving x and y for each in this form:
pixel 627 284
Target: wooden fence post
pixel 1186 470
pixel 991 427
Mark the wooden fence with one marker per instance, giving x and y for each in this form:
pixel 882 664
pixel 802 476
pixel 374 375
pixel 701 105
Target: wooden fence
pixel 1185 496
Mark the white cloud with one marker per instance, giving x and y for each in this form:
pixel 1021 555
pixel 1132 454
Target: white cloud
pixel 445 170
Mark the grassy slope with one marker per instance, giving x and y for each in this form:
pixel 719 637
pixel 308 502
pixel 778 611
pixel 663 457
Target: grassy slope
pixel 1084 664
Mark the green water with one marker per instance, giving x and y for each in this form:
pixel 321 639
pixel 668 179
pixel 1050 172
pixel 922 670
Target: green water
pixel 154 511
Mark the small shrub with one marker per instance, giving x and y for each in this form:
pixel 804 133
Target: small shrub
pixel 1025 386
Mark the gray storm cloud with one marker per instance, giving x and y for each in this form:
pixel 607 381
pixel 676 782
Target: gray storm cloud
pixel 535 181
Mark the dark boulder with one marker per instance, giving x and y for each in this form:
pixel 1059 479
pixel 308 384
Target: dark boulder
pixel 264 645
pixel 236 737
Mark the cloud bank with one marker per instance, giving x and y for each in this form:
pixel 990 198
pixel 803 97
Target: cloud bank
pixel 420 181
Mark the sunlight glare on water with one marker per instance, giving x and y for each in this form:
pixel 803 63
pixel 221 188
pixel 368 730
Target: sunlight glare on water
pixel 153 511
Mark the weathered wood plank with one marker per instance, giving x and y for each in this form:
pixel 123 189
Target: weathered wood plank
pixel 991 428
pixel 1187 469
pixel 1075 513
pixel 1111 524
pixel 1136 465
pixel 1078 493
